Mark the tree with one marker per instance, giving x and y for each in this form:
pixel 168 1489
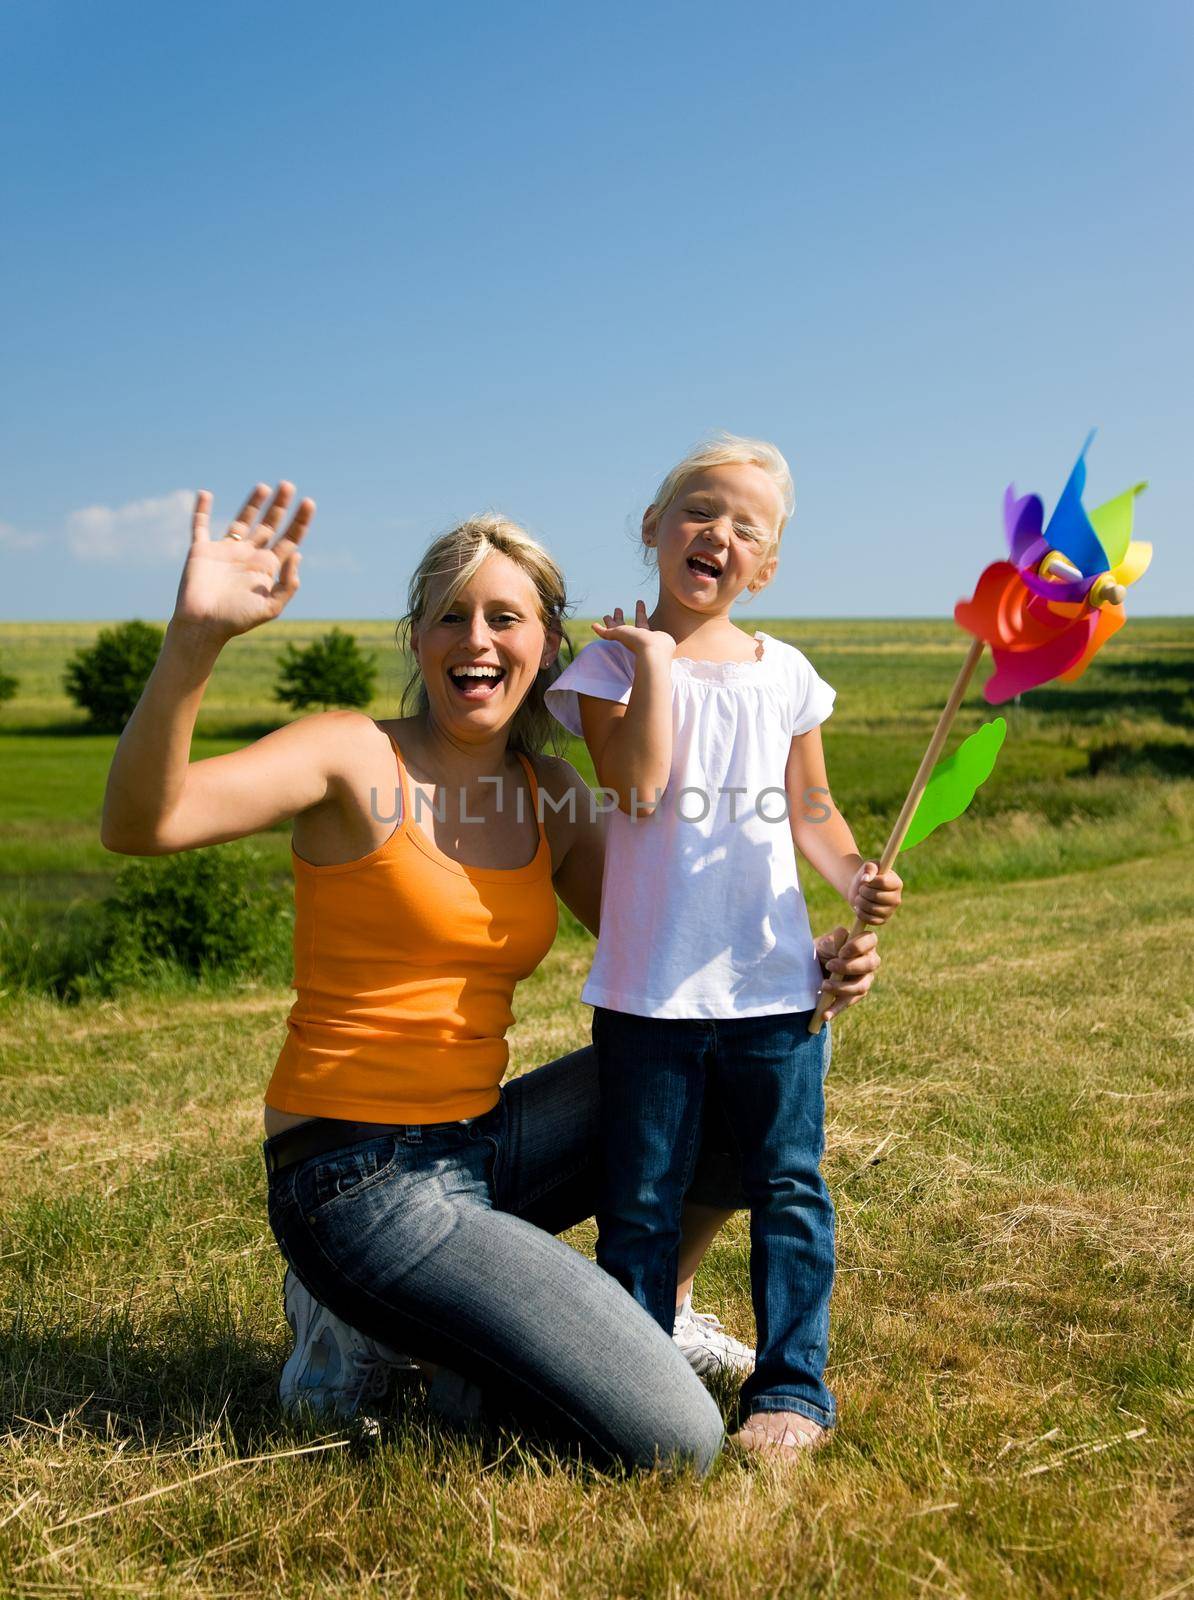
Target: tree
pixel 8 686
pixel 333 671
pixel 106 678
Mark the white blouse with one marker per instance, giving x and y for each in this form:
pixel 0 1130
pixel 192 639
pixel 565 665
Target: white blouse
pixel 702 913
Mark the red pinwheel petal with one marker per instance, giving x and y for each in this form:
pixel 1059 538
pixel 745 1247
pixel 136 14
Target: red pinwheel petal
pixel 1043 620
pixel 1111 620
pixel 1004 613
pixel 984 614
pixel 1018 670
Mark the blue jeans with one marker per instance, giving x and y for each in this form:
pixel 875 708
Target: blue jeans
pixel 767 1074
pixel 438 1240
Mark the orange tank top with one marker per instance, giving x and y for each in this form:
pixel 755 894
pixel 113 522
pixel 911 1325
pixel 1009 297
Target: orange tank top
pixel 405 964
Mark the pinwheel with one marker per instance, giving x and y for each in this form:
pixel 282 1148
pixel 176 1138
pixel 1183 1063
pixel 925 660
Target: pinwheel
pixel 1044 612
pixel 1060 598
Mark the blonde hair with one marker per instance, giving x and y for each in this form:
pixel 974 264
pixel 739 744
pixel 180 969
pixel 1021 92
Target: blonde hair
pixel 449 563
pixel 724 450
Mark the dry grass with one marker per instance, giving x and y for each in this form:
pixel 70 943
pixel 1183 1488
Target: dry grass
pixel 1008 1147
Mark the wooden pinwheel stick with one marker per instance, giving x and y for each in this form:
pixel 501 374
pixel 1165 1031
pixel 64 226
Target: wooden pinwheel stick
pixel 904 821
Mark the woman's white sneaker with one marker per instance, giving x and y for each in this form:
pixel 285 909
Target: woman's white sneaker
pixel 706 1344
pixel 332 1367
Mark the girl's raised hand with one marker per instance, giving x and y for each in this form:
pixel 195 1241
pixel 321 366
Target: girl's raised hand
pixel 874 896
pixel 232 584
pixel 639 637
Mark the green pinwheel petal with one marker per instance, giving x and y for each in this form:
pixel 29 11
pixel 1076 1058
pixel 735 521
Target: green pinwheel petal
pixel 1112 523
pixel 955 781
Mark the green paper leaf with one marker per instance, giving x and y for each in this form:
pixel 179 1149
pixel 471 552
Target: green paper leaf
pixel 954 782
pixel 1112 523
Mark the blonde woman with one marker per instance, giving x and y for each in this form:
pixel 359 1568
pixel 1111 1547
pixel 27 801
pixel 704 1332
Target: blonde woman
pixel 415 1198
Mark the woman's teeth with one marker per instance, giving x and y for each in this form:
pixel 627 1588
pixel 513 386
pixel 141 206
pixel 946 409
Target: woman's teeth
pixel 476 680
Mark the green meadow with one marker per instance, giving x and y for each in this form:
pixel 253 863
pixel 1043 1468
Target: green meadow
pixel 1008 1147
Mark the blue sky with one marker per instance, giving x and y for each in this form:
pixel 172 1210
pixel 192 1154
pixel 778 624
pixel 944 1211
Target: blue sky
pixel 426 260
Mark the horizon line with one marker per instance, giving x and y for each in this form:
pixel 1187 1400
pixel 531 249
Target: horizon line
pixel 857 616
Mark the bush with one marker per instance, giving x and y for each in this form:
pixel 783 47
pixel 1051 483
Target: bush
pixel 106 679
pixel 202 911
pixel 205 914
pixel 334 671
pixel 56 953
pixel 8 686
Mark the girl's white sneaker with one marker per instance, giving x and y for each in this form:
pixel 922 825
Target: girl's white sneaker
pixel 706 1344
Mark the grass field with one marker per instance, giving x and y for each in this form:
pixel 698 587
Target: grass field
pixel 1008 1149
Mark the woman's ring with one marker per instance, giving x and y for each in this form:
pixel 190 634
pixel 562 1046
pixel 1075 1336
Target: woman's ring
pixel 231 535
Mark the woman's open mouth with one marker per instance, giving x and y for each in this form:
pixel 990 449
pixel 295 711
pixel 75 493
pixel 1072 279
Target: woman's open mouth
pixel 704 567
pixel 476 683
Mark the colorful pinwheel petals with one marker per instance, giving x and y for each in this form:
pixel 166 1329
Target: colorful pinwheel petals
pixel 1048 610
pixel 1030 642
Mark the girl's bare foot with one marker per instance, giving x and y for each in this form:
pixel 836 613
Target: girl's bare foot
pixel 778 1434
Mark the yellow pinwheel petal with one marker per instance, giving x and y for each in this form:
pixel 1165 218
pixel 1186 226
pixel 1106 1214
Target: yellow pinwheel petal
pixel 1134 564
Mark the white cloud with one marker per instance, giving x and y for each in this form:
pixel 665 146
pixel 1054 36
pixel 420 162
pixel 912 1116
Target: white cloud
pixel 13 539
pixel 146 533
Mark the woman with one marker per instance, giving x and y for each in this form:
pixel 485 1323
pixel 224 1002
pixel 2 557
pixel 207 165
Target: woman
pixel 410 1195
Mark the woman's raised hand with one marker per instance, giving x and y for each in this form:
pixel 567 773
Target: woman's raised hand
pixel 232 584
pixel 639 637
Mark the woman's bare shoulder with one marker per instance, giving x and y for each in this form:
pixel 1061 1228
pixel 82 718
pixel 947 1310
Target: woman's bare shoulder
pixel 350 749
pixel 558 777
pixel 342 738
pixel 566 805
pixel 341 724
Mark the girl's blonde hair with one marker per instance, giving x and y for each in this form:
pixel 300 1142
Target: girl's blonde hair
pixel 723 450
pixel 450 562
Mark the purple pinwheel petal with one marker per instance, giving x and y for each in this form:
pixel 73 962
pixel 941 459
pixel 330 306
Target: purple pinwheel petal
pixel 1022 519
pixel 1067 590
pixel 1069 528
pixel 1033 553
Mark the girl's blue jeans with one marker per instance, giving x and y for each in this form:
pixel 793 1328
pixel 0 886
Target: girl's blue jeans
pixel 439 1240
pixel 766 1077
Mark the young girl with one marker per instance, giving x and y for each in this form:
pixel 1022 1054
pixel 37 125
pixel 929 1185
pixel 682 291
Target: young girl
pixel 705 974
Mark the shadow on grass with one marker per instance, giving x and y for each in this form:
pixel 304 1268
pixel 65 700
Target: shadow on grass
pixel 207 728
pixel 193 1377
pixel 55 730
pixel 1137 689
pixel 247 731
pixel 180 1387
pixel 110 1379
pixel 1153 759
pixel 1156 667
